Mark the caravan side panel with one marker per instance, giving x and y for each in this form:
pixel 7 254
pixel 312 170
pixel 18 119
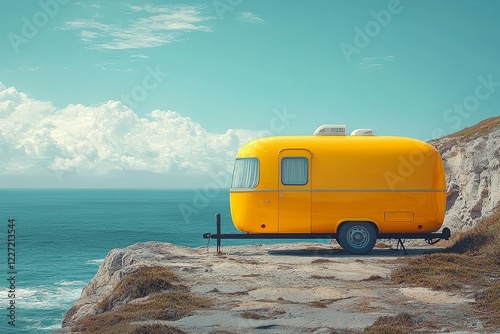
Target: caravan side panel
pixel 396 183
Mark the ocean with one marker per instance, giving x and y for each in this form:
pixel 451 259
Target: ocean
pixel 62 236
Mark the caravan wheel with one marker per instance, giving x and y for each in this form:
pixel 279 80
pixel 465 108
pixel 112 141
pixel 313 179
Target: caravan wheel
pixel 357 238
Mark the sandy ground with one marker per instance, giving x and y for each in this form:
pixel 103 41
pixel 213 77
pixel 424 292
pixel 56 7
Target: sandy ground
pixel 312 288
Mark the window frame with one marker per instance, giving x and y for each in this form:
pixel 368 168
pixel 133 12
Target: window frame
pixel 294 158
pixel 257 179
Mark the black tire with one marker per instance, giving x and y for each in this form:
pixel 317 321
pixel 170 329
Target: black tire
pixel 357 238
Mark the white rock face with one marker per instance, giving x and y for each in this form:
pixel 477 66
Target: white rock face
pixel 472 168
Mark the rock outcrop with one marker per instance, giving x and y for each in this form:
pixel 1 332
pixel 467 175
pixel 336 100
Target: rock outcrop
pixel 472 166
pixel 281 288
pixel 121 262
pixel 261 287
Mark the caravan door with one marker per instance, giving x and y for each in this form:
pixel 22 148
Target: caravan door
pixel 294 187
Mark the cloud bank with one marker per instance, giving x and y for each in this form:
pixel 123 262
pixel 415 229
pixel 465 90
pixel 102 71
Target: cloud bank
pixel 108 139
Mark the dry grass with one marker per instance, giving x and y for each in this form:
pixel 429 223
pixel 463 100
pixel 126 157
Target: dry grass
pixel 320 261
pixel 260 315
pixel 374 278
pixel 141 283
pixel 488 303
pixel 472 262
pixel 152 293
pixel 399 324
pixel 251 275
pixel 156 329
pixel 383 245
pixel 480 129
pixel 317 304
pixel 171 306
pixel 244 261
pixel 322 277
pixel 448 272
pixel 125 328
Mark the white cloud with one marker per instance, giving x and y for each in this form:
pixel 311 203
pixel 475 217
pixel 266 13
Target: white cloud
pixel 95 6
pixel 113 66
pixel 36 139
pixel 152 27
pixel 139 55
pixel 250 18
pixel 28 68
pixel 375 63
pixel 87 35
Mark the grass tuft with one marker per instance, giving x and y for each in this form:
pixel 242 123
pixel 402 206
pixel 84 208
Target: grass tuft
pixel 481 129
pixel 374 278
pixel 171 305
pixel 150 293
pixel 488 302
pixel 156 329
pixel 260 315
pixel 322 277
pixel 441 271
pixel 320 261
pixel 317 304
pixel 472 262
pixel 399 324
pixel 141 283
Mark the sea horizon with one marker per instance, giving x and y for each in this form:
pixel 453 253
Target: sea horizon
pixel 63 235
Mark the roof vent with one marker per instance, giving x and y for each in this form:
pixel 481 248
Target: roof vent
pixel 331 130
pixel 363 132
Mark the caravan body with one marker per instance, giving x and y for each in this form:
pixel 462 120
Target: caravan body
pixel 316 184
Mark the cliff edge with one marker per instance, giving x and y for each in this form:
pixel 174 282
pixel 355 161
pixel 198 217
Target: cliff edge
pixel 472 160
pixel 309 287
pixel 282 288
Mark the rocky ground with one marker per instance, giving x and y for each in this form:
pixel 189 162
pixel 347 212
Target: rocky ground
pixel 287 288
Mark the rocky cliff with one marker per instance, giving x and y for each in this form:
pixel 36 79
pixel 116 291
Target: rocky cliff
pixel 281 288
pixel 257 288
pixel 472 162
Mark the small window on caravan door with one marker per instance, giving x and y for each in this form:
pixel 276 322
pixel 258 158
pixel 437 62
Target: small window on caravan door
pixel 246 173
pixel 294 171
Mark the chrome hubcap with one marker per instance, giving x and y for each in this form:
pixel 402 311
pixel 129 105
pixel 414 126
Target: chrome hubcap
pixel 358 237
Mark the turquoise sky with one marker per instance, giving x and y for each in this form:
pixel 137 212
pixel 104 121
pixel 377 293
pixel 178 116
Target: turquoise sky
pixel 228 69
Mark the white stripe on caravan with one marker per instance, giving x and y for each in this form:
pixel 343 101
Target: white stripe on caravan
pixel 338 190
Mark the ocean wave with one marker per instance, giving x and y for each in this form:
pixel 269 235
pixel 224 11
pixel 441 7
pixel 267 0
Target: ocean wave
pixel 37 326
pixel 70 283
pixel 96 261
pixel 61 294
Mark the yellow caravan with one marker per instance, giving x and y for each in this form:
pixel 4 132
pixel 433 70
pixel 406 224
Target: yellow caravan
pixel 356 187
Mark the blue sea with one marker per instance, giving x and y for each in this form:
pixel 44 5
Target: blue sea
pixel 62 236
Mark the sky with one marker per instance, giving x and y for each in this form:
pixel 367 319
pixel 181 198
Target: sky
pixel 145 94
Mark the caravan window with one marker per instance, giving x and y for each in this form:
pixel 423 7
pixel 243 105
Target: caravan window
pixel 246 173
pixel 294 171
